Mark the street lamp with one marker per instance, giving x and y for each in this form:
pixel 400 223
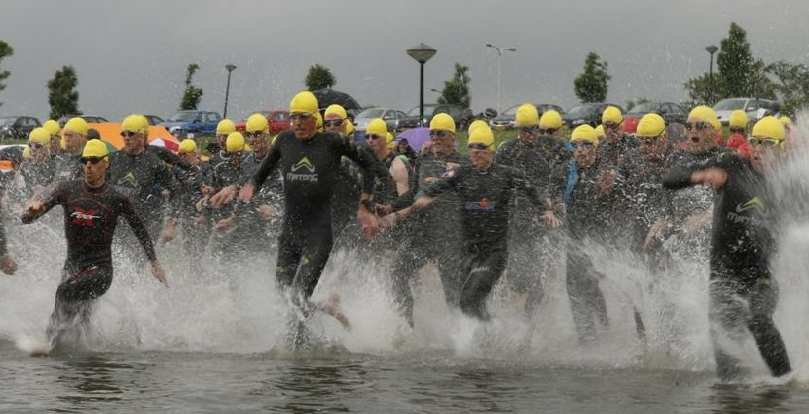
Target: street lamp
pixel 230 68
pixel 500 51
pixel 711 49
pixel 422 53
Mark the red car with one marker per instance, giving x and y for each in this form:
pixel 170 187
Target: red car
pixel 279 121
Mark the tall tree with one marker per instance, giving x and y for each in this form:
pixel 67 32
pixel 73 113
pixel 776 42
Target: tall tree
pixel 591 84
pixel 5 51
pixel 62 94
pixel 699 90
pixel 319 77
pixel 791 85
pixel 192 95
pixel 456 90
pixel 735 62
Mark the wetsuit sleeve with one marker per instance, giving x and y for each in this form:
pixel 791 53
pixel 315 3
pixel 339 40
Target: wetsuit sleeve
pixel 442 185
pixel 3 246
pixel 56 197
pixel 136 223
pixel 520 183
pixel 370 167
pixel 268 165
pixel 680 177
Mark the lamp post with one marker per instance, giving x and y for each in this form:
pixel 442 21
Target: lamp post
pixel 711 49
pixel 230 68
pixel 422 53
pixel 499 51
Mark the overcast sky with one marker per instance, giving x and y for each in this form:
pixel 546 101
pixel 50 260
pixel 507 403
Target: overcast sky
pixel 131 56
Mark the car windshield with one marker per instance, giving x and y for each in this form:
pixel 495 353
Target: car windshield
pixel 645 108
pixel 730 104
pixel 415 111
pixel 7 121
pixel 581 111
pixel 183 117
pixel 371 113
pixel 510 112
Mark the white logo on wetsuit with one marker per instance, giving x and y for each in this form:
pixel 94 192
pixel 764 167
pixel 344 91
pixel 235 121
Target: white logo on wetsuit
pixel 303 170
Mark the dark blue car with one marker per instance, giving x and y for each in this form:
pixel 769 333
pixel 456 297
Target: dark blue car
pixel 192 122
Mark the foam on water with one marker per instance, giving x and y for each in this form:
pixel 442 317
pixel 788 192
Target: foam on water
pixel 235 307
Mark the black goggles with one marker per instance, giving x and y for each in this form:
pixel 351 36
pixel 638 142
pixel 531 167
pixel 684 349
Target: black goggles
pixel 765 142
pixel 611 125
pixel 35 146
pixel 478 146
pixel 373 137
pixel 582 144
pixel 333 122
pixel 439 133
pixel 699 126
pixel 129 134
pixel 547 131
pixel 257 134
pixel 529 130
pixel 300 116
pixel 92 160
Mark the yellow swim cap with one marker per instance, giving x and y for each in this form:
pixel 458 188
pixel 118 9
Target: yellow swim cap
pixel 77 125
pixel 235 142
pixel 39 136
pixel 584 133
pixel 187 146
pixel 257 123
pixel 443 122
pixel 95 148
pixel 303 102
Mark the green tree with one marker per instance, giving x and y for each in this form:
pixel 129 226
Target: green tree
pixel 456 90
pixel 791 85
pixel 192 95
pixel 591 85
pixel 735 63
pixel 699 90
pixel 62 94
pixel 5 51
pixel 635 102
pixel 319 77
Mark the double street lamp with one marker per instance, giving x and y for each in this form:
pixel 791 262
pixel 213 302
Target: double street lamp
pixel 711 49
pixel 422 53
pixel 500 51
pixel 230 68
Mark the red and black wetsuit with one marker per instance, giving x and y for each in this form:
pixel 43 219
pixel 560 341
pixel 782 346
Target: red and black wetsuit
pixel 91 215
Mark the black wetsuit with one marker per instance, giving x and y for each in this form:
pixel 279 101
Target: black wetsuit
pixel 541 161
pixel 189 192
pixel 67 167
pixel 90 218
pixel 485 200
pixel 743 292
pixel 143 178
pixel 310 170
pixel 432 235
pixel 586 217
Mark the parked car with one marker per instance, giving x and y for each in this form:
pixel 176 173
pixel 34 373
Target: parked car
pixel 671 112
pixel 17 126
pixel 91 119
pixel 754 107
pixel 392 118
pixel 589 113
pixel 192 122
pixel 154 119
pixel 461 115
pixel 506 119
pixel 278 119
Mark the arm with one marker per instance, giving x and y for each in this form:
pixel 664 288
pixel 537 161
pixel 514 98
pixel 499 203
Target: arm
pixel 267 165
pixel 142 234
pixel 713 172
pixel 38 207
pixel 519 183
pixel 401 176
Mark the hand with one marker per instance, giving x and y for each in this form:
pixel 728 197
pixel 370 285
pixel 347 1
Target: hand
pixel 169 231
pixel 8 265
pixel 655 234
pixel 383 209
pixel 715 177
pixel 224 196
pixel 246 194
pixel 199 221
pixel 159 273
pixel 696 222
pixel 550 220
pixel 387 222
pixel 368 222
pixel 266 212
pixel 224 225
pixel 606 182
pixel 35 207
